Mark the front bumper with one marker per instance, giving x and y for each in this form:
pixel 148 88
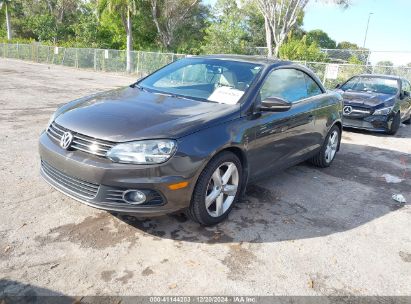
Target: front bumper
pixel 98 182
pixel 378 123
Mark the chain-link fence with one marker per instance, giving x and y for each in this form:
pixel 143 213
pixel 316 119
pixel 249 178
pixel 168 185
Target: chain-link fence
pixel 332 74
pixel 144 63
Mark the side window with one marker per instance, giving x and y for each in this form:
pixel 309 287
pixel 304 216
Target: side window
pixel 312 87
pixel 406 86
pixel 288 84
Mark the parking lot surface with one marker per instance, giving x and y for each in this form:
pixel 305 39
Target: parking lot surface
pixel 303 231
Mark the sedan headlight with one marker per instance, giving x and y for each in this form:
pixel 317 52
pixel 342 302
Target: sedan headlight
pixel 383 111
pixel 51 120
pixel 143 152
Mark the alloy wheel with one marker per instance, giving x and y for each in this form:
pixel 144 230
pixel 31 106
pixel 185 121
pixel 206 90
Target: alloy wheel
pixel 332 146
pixel 222 189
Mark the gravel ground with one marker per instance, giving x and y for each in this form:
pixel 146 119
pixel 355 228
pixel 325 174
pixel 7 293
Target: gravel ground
pixel 303 231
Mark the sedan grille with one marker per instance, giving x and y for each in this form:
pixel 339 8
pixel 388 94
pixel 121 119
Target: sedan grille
pixel 81 142
pixel 70 184
pixel 359 112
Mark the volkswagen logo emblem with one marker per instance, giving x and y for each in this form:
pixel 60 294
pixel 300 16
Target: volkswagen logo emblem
pixel 347 110
pixel 66 140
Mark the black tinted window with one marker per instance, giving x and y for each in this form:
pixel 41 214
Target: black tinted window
pixel 288 84
pixel 312 87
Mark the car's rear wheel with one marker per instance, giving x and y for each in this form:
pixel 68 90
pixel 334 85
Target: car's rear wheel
pixel 395 125
pixel 217 190
pixel 327 153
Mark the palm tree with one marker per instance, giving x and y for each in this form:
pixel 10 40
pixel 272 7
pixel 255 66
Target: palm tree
pixel 125 8
pixel 6 4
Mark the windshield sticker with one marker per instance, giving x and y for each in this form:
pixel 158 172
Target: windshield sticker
pixel 226 95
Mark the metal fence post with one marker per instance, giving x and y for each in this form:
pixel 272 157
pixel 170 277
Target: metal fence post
pixel 138 62
pixel 76 60
pixel 95 59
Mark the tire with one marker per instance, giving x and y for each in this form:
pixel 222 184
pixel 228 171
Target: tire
pixel 323 159
pixel 408 121
pixel 208 187
pixel 395 125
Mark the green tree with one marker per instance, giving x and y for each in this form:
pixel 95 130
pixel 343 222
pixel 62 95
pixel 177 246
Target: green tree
pixel 125 9
pixel 171 16
pixel 300 49
pixel 321 38
pixel 347 45
pixel 190 35
pixel 255 24
pixel 384 67
pixel 6 4
pixel 385 63
pixel 354 60
pixel 280 16
pixel 227 34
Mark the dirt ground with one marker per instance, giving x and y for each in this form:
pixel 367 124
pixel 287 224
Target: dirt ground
pixel 303 231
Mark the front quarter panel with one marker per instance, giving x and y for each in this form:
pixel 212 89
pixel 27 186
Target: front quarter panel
pixel 202 146
pixel 330 111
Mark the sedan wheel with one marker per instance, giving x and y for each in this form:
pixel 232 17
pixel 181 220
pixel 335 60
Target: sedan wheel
pixel 395 125
pixel 222 189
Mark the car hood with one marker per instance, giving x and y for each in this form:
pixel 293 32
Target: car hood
pixel 367 99
pixel 132 114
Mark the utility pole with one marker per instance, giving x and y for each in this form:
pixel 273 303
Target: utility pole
pixel 366 30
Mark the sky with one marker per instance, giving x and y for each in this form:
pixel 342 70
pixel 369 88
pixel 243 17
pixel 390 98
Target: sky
pixel 389 28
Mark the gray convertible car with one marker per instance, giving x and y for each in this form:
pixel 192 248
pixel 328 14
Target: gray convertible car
pixel 190 136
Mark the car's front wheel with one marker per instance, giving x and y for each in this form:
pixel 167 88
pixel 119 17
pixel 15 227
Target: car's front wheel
pixel 327 153
pixel 395 125
pixel 217 189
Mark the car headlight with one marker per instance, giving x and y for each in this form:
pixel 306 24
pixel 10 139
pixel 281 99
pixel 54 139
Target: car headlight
pixel 51 120
pixel 383 111
pixel 143 152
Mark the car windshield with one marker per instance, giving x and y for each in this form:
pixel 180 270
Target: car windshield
pixel 371 84
pixel 215 80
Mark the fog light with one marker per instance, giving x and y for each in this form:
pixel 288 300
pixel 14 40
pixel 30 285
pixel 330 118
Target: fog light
pixel 134 197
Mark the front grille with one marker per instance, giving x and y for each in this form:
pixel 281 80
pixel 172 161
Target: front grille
pixel 81 142
pixel 70 184
pixel 359 112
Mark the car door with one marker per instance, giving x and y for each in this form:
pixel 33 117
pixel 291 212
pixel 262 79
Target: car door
pixel 405 98
pixel 282 138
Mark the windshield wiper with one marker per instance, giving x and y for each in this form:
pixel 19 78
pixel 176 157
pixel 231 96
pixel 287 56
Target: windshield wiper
pixel 136 85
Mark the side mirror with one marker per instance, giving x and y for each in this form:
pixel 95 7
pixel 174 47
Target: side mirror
pixel 338 85
pixel 274 104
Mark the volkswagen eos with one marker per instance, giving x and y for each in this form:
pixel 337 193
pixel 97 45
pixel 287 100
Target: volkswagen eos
pixel 190 136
